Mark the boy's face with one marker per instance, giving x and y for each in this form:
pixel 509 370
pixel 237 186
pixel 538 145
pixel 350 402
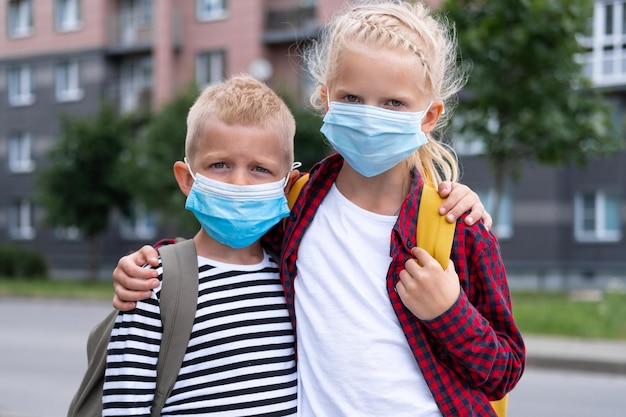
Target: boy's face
pixel 241 155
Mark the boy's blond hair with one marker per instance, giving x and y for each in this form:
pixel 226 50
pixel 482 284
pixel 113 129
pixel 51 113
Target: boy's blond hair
pixel 398 26
pixel 244 101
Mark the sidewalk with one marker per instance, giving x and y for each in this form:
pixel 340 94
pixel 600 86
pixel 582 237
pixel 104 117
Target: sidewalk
pixel 576 354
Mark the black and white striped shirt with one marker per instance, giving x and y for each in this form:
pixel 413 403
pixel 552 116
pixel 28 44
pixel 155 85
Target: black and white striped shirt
pixel 240 359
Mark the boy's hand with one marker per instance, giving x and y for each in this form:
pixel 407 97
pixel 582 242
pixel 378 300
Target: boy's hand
pixel 425 288
pixel 132 282
pixel 459 199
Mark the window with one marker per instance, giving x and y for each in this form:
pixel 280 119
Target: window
pixel 20 89
pixel 20 153
pixel 135 21
pixel 67 15
pixel 20 18
pixel 597 216
pixel 21 220
pixel 67 81
pixel 503 216
pixel 210 9
pixel 135 83
pixel 141 225
pixel 210 68
pixel 605 59
pixel 71 233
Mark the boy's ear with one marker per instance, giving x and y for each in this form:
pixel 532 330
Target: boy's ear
pixel 432 116
pixel 293 177
pixel 183 177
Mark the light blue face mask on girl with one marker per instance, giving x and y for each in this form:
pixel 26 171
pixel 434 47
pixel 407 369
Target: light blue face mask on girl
pixel 236 215
pixel 372 139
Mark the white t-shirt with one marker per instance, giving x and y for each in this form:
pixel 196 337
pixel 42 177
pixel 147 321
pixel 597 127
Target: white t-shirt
pixel 353 357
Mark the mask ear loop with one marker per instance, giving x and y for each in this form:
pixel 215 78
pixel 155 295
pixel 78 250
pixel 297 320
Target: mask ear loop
pixel 293 166
pixel 189 168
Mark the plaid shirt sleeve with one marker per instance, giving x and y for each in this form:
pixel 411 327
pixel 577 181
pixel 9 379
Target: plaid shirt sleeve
pixel 474 352
pixel 478 333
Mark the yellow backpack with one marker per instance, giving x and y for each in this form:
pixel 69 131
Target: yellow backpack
pixel 435 235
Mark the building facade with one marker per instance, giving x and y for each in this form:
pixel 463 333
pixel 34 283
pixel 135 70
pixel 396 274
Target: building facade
pixel 557 226
pixel 66 56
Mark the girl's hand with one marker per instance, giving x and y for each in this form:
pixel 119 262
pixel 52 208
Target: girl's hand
pixel 132 282
pixel 459 199
pixel 425 288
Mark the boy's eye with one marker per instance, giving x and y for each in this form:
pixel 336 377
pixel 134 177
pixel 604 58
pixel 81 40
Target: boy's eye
pixel 394 103
pixel 261 169
pixel 219 165
pixel 351 99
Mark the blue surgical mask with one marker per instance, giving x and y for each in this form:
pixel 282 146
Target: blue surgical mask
pixel 372 139
pixel 236 215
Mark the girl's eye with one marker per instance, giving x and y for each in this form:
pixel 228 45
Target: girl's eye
pixel 394 103
pixel 351 99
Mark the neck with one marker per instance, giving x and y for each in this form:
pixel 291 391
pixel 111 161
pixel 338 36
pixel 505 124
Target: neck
pixel 382 194
pixel 208 247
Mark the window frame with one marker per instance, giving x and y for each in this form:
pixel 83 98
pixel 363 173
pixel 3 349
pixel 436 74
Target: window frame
pixel 20 85
pixel 20 12
pixel 141 226
pixel 206 73
pixel 61 12
pixel 504 228
pixel 210 10
pixel 20 152
pixel 67 81
pixel 21 220
pixel 600 232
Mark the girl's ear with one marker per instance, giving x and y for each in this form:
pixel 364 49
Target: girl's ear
pixel 432 116
pixel 183 177
pixel 324 97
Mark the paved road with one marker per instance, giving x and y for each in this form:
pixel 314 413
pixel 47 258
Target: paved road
pixel 42 353
pixel 42 359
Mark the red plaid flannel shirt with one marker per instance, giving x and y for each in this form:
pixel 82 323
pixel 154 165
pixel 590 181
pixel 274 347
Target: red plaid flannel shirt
pixel 472 353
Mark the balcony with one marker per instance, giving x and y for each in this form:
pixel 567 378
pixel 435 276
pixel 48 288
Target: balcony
pixel 282 26
pixel 130 32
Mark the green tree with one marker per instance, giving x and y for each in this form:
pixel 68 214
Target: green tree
pixel 526 98
pixel 162 143
pixel 84 182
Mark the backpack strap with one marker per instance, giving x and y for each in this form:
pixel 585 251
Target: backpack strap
pixel 293 193
pixel 178 302
pixel 434 233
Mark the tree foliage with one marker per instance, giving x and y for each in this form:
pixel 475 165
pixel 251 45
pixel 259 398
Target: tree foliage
pixel 84 181
pixel 161 144
pixel 526 96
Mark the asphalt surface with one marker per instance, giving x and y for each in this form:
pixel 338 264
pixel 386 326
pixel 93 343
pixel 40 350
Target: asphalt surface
pixel 42 353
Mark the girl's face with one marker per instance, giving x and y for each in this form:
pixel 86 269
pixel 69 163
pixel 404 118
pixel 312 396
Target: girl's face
pixel 380 78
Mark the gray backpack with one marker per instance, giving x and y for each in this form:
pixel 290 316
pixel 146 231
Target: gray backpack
pixel 179 287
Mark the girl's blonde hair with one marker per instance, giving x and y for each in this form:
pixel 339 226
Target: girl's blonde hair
pixel 402 26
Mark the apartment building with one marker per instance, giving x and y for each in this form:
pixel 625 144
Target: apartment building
pixel 557 226
pixel 66 56
pixel 564 227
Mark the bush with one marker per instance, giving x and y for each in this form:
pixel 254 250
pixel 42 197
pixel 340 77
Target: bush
pixel 16 262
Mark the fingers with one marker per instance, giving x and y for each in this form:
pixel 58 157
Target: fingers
pixel 459 200
pixel 123 305
pixel 147 255
pixel 462 199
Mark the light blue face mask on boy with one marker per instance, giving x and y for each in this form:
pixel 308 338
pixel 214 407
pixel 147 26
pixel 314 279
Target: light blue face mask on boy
pixel 372 139
pixel 236 215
